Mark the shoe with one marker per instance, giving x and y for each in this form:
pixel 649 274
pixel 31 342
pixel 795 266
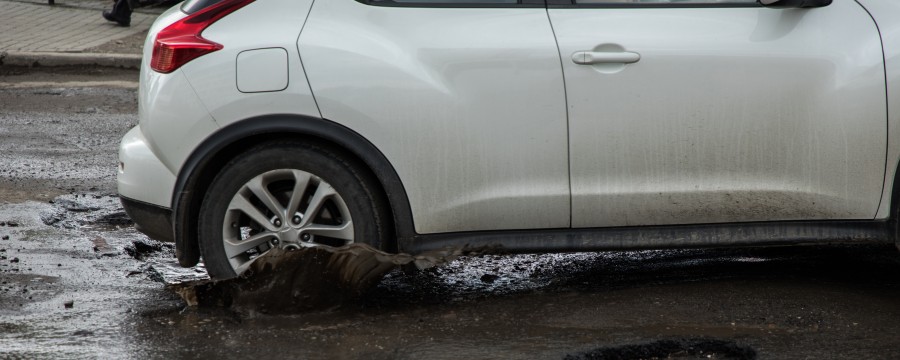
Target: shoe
pixel 111 16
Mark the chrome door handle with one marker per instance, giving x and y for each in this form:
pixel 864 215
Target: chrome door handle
pixel 595 57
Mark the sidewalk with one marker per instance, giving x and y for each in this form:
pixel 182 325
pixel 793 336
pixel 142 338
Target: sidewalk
pixel 72 32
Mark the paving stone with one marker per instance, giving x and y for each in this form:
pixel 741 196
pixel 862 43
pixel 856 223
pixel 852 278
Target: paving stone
pixel 34 27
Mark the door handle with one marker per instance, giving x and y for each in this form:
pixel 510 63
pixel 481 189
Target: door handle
pixel 596 57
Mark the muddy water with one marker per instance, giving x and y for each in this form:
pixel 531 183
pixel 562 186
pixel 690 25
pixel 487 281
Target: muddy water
pixel 316 278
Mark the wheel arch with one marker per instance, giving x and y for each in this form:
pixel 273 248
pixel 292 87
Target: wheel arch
pixel 211 155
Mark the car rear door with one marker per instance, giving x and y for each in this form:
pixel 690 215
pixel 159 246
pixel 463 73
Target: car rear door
pixel 699 111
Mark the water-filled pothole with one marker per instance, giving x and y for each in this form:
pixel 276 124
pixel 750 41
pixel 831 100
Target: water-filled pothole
pixel 671 349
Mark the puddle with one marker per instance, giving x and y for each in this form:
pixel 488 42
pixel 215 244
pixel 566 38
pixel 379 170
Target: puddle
pixel 672 349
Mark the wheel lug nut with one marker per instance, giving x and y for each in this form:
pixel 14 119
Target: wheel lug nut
pixel 305 237
pixel 277 222
pixel 276 242
pixel 296 219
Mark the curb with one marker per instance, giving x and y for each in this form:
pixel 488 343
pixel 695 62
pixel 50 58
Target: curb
pixel 51 59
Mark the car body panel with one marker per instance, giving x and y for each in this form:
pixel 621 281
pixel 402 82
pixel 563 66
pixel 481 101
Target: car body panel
pixel 138 163
pixel 171 124
pixel 215 77
pixel 471 116
pixel 176 121
pixel 730 115
pixel 179 110
pixel 887 15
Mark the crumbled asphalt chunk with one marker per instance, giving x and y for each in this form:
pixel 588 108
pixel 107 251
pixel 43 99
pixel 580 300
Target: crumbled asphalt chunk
pixel 69 304
pixel 119 218
pixel 75 206
pixel 51 218
pixel 134 272
pixel 671 349
pixel 140 249
pixel 5 237
pixel 101 246
pixel 14 260
pixel 99 211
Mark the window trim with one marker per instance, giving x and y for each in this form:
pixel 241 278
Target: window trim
pixel 521 4
pixel 562 4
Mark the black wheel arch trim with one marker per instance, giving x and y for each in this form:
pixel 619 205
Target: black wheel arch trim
pixel 774 233
pixel 196 171
pixel 894 206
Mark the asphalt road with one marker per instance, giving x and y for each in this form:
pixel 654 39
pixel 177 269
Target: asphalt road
pixel 76 281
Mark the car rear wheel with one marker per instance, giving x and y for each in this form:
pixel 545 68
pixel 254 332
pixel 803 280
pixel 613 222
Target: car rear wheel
pixel 289 195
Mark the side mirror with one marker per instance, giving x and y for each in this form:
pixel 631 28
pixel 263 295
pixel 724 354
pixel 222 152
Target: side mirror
pixel 780 4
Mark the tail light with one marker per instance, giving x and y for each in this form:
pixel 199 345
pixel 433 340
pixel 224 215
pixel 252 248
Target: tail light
pixel 181 42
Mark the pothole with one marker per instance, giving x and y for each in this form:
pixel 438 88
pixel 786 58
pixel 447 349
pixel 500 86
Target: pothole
pixel 671 349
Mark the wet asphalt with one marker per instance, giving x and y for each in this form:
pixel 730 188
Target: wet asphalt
pixel 76 281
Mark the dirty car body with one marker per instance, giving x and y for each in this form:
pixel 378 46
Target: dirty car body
pixel 514 125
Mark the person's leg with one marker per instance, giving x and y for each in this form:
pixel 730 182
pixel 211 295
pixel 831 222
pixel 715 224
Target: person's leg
pixel 120 13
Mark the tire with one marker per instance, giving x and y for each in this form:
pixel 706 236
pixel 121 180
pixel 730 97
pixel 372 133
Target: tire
pixel 245 212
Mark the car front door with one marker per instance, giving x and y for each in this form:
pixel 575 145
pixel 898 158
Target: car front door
pixel 465 98
pixel 687 112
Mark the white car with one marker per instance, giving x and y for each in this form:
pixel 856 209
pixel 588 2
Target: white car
pixel 521 125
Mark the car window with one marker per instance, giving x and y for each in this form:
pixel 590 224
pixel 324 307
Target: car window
pixel 192 6
pixel 665 1
pixel 458 3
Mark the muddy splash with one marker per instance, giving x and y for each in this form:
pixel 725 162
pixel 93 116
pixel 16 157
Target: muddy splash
pixel 313 278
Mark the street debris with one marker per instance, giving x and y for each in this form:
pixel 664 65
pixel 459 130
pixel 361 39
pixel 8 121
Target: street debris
pixel 140 249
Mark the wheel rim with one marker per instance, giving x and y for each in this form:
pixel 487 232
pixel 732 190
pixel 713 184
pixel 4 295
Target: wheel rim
pixel 286 208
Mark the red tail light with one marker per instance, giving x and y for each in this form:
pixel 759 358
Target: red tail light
pixel 181 42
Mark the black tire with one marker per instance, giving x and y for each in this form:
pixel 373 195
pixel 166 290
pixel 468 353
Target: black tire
pixel 356 190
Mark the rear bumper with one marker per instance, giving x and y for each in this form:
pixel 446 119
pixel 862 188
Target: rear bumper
pixel 142 175
pixel 152 220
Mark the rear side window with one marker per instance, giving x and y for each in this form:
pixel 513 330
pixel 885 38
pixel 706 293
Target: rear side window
pixel 192 6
